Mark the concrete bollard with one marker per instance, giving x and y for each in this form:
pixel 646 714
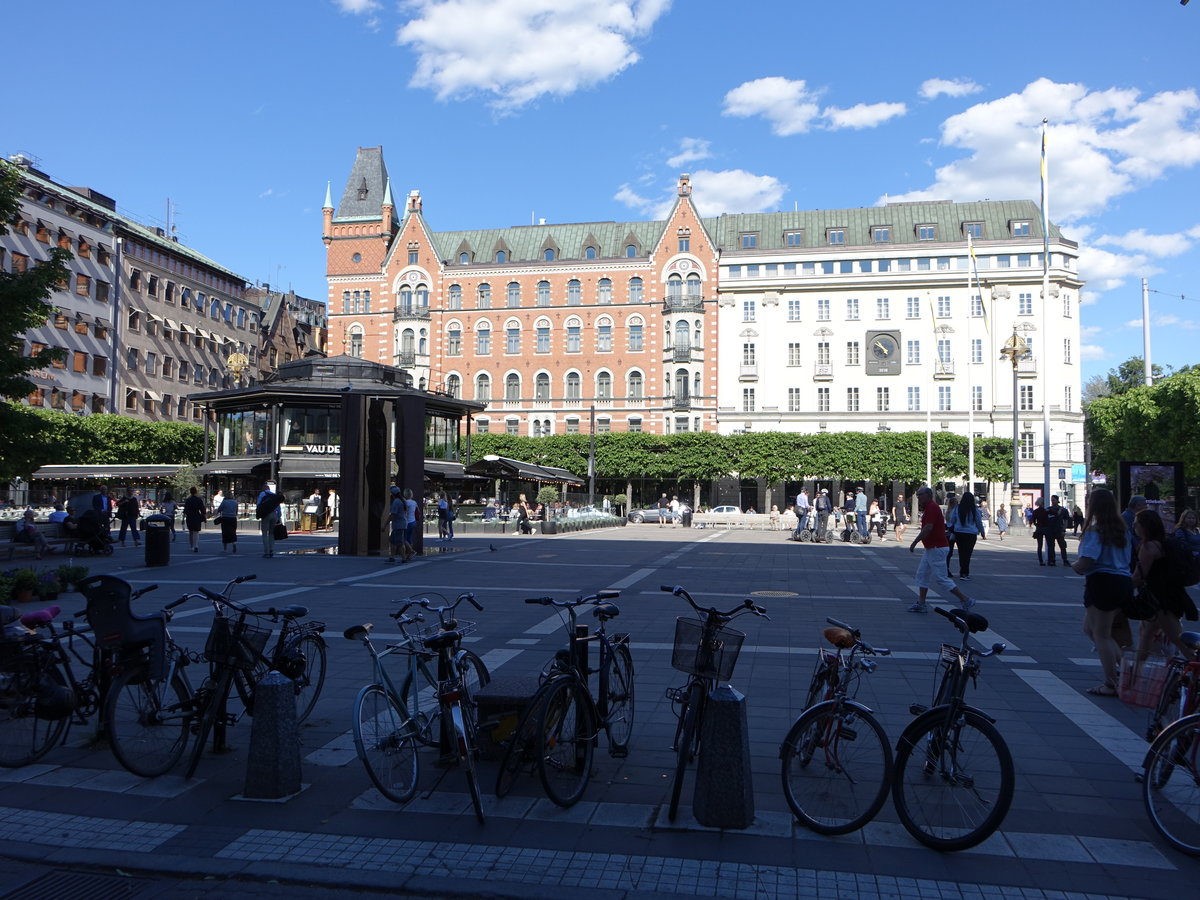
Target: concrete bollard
pixel 273 766
pixel 724 793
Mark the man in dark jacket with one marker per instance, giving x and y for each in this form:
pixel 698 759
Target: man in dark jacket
pixel 824 507
pixel 1060 520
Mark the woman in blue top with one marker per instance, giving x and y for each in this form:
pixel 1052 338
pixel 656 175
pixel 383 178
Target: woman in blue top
pixel 966 522
pixel 1104 552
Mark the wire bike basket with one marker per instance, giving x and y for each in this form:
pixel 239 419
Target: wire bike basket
pixel 714 658
pixel 235 644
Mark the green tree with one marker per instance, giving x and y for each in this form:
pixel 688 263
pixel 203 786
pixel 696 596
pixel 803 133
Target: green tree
pixel 1130 374
pixel 1146 423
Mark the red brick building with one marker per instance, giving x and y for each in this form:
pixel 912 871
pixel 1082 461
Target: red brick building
pixel 542 322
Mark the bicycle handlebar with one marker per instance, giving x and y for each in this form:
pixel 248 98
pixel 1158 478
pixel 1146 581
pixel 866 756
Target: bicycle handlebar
pixel 224 598
pixel 598 597
pixel 745 606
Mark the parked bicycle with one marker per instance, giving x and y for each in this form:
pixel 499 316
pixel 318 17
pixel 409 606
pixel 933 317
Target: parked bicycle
pixel 837 761
pixel 298 654
pixel 560 727
pixel 1180 694
pixel 390 722
pixel 706 649
pixel 1171 770
pixel 953 779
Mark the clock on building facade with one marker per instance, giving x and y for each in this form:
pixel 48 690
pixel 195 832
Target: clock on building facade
pixel 883 353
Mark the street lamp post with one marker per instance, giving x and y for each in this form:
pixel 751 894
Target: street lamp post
pixel 1013 350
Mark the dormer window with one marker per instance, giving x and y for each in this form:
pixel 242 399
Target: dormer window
pixel 363 190
pixel 1020 228
pixel 836 235
pixel 501 256
pixel 926 232
pixel 973 230
pixel 548 254
pixel 881 234
pixel 464 258
pixel 589 253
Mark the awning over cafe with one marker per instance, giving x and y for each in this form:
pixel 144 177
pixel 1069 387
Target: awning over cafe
pixel 514 469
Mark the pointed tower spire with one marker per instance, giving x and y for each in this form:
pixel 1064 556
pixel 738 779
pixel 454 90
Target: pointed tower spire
pixel 328 196
pixel 387 195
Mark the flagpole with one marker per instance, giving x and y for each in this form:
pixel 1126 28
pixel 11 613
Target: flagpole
pixel 970 391
pixel 1045 321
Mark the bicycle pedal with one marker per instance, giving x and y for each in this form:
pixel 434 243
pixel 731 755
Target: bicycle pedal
pixel 847 734
pixel 618 752
pixel 917 708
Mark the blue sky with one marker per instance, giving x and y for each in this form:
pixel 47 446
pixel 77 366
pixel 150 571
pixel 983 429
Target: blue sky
pixel 578 110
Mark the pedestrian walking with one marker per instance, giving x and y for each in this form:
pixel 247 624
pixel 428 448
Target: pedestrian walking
pixel 1041 529
pixel 397 519
pixel 331 507
pixel 900 517
pixel 664 508
pixel 1104 555
pixel 227 518
pixel 951 503
pixel 102 504
pixel 267 511
pixel 129 510
pixel 824 507
pixel 985 516
pixel 1002 521
pixel 860 513
pixel 1058 518
pixel 932 570
pixel 194 515
pixel 966 523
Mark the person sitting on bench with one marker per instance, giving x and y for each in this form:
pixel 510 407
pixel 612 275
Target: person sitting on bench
pixel 27 533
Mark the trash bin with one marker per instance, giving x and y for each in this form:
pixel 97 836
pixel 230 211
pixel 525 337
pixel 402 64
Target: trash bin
pixel 156 530
pixel 686 516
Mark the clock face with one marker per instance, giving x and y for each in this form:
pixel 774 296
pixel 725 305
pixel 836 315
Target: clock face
pixel 884 347
pixel 883 353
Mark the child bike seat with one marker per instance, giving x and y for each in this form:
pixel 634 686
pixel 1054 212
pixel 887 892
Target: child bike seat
pixel 118 627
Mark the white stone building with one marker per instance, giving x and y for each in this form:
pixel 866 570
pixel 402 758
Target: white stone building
pixel 874 319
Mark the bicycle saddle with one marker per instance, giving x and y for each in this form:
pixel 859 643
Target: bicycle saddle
pixel 357 632
pixel 442 639
pixel 605 611
pixel 839 637
pixel 974 622
pixel 293 612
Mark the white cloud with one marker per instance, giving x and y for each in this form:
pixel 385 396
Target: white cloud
pixel 267 193
pixel 956 87
pixel 1101 145
pixel 726 191
pixel 1150 244
pixel 357 7
pixel 1104 270
pixel 1092 352
pixel 515 51
pixel 792 108
pixel 1163 320
pixel 690 150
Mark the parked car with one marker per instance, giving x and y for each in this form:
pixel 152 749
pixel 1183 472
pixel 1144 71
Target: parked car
pixel 650 514
pixel 726 510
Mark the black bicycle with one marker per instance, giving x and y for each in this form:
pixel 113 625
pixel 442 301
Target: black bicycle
pixel 298 654
pixel 707 650
pixel 560 727
pixel 837 763
pixel 954 779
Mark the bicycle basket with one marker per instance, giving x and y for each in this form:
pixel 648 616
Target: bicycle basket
pixel 463 627
pixel 1142 683
pixel 235 644
pixel 716 659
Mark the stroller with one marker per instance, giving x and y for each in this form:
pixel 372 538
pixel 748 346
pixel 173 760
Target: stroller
pixel 90 536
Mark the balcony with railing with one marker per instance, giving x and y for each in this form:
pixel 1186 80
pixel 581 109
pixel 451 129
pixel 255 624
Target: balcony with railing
pixel 943 369
pixel 682 403
pixel 411 312
pixel 688 303
pixel 822 372
pixel 1027 367
pixel 406 359
pixel 748 372
pixel 681 354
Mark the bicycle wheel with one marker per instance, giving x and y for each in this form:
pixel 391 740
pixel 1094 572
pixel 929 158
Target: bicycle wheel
pixel 473 673
pixel 464 731
pixel 24 737
pixel 837 767
pixel 953 782
pixel 304 662
pixel 385 743
pixel 565 733
pixel 521 746
pixel 687 741
pixel 214 700
pixel 1173 798
pixel 620 698
pixel 147 721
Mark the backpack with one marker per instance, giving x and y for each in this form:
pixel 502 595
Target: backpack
pixel 1183 566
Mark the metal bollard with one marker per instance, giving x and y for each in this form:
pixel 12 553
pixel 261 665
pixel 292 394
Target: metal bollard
pixel 724 792
pixel 273 766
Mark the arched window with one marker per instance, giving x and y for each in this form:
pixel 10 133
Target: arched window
pixel 543 293
pixel 604 386
pixel 573 386
pixel 682 384
pixel 674 286
pixel 356 340
pixel 696 385
pixel 693 286
pixel 423 344
pixel 604 291
pixel 456 296
pixel 422 296
pixel 453 385
pixel 464 258
pixel 512 296
pixel 589 253
pixel 630 251
pixel 501 256
pixel 512 386
pixel 548 254
pixel 541 386
pixel 635 385
pixel 406 301
pixel 635 290
pixel 574 292
pixel 542 336
pixel 483 339
pixel 484 295
pixel 483 388
pixel 408 341
pixel 697 334
pixel 604 333
pixel 682 334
